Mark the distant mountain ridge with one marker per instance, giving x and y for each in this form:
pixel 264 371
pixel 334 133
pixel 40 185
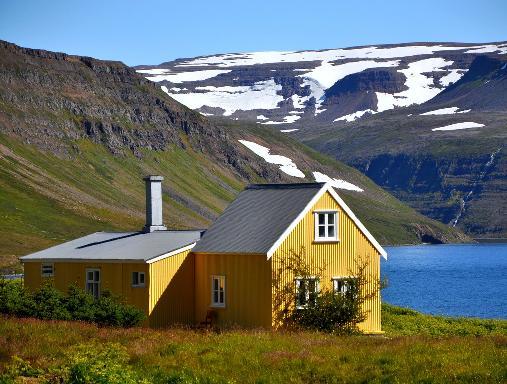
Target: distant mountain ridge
pixel 427 121
pixel 77 134
pixel 295 87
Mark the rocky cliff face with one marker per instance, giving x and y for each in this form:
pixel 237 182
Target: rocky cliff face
pixel 466 192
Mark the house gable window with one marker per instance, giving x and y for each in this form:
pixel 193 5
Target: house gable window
pixel 138 279
pixel 307 290
pixel 93 281
pixel 326 226
pixel 218 291
pixel 47 270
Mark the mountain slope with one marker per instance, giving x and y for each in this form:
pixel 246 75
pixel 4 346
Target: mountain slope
pixel 77 134
pixel 426 121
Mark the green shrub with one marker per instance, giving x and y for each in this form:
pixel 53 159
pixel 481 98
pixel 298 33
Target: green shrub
pixel 48 303
pixel 326 310
pixel 111 311
pixel 15 299
pixel 332 312
pixel 80 304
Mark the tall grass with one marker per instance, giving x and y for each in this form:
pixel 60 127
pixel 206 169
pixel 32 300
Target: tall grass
pixel 50 350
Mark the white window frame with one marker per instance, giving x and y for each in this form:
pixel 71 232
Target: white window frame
pixel 336 279
pixel 139 283
pixel 305 280
pixel 326 225
pixel 46 265
pixel 219 303
pixel 97 282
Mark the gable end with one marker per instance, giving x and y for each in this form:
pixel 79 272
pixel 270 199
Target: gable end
pixel 327 188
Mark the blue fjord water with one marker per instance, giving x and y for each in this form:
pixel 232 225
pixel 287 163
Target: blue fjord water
pixel 452 280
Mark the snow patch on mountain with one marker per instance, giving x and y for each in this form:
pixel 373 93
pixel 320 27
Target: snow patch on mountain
pixel 289 130
pixel 261 95
pixel 445 111
pixel 489 48
pixel 286 120
pixel 153 71
pixel 354 116
pixel 290 168
pixel 337 183
pixel 298 102
pixel 181 77
pixel 453 76
pixel 286 165
pixel 327 73
pixel 456 126
pixel 421 88
pixel 372 52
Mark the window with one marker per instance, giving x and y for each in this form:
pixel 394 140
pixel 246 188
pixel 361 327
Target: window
pixel 47 270
pixel 93 282
pixel 342 285
pixel 218 291
pixel 326 226
pixel 306 292
pixel 138 279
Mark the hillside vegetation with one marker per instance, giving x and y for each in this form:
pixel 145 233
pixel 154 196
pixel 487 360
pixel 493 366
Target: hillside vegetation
pixel 77 135
pixel 55 350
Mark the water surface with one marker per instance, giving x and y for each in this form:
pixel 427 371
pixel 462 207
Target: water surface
pixel 453 280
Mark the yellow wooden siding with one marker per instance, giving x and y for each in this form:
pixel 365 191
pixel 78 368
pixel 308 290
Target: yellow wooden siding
pixel 172 290
pixel 247 288
pixel 338 258
pixel 114 277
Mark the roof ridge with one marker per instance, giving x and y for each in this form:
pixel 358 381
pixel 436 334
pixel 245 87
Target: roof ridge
pixel 285 185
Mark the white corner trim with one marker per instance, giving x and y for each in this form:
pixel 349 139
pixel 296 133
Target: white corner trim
pixel 353 217
pixel 326 188
pixel 172 253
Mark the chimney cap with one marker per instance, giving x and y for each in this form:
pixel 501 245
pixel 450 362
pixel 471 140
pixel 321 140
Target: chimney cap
pixel 153 178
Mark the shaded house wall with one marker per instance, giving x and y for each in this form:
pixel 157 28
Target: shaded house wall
pixel 171 299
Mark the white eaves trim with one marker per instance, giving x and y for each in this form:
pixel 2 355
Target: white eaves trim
pixel 326 188
pixel 172 253
pixel 126 261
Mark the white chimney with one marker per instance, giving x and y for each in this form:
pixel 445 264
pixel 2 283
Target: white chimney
pixel 153 204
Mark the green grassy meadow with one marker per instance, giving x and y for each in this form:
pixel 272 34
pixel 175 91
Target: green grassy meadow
pixel 415 348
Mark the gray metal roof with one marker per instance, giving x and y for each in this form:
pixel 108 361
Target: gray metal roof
pixel 128 246
pixel 257 218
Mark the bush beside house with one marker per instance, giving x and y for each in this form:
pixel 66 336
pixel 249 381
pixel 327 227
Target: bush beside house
pixel 48 303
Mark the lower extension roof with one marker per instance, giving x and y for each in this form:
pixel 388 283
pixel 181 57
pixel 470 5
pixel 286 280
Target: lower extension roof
pixel 119 246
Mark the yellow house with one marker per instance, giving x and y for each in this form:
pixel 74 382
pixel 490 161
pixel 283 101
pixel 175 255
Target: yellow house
pixel 177 277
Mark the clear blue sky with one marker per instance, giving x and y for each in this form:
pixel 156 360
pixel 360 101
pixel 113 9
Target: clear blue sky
pixel 151 32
